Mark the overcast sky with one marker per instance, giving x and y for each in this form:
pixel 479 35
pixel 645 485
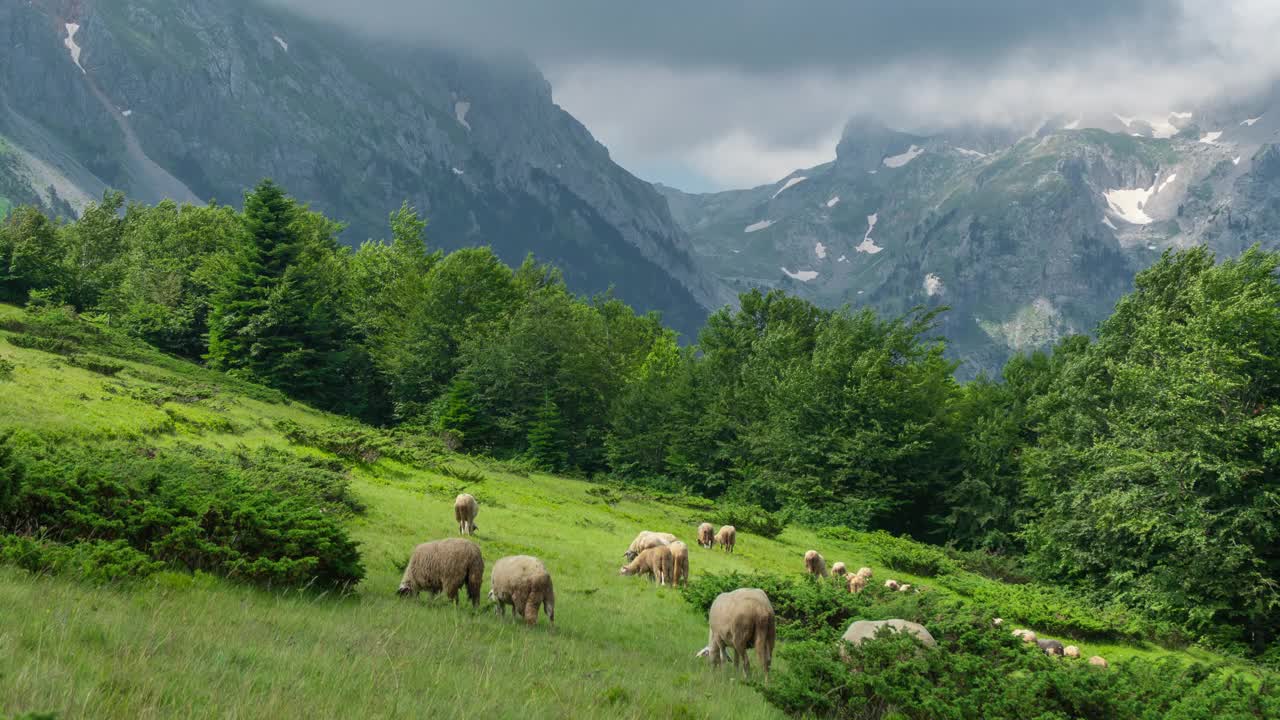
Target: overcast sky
pixel 714 94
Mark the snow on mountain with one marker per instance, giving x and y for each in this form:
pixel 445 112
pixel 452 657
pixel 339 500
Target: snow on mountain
pixel 757 226
pixel 897 161
pixel 791 182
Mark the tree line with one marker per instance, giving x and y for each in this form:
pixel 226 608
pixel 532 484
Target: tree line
pixel 1141 462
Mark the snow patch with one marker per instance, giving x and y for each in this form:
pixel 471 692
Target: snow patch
pixel 1235 160
pixel 820 250
pixel 932 284
pixel 1211 138
pixel 868 245
pixel 456 171
pixel 1073 125
pixel 1151 247
pixel 970 153
pixel 788 184
pixel 1171 178
pixel 1128 204
pixel 72 47
pixel 753 227
pixel 832 202
pixel 1251 121
pixel 801 275
pixel 897 161
pixel 1107 221
pixel 280 41
pixel 843 259
pixel 1180 115
pixel 126 113
pixel 460 109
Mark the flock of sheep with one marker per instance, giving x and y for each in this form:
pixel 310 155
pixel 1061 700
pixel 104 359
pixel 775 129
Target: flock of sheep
pixel 739 619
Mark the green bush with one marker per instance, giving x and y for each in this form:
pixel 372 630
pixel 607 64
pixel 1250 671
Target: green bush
pixel 750 518
pixel 95 363
pixel 95 561
pixel 6 369
pixel 265 516
pixel 1003 568
pixel 43 344
pixel 910 557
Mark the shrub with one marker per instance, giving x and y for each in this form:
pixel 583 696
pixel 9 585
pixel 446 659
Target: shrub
pixel 95 561
pixel 265 517
pixel 910 557
pixel 43 344
pixel 95 363
pixel 1003 568
pixel 750 518
pixel 6 368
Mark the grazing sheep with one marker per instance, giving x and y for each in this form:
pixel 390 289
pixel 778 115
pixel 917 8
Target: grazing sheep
pixel 904 587
pixel 1050 647
pixel 1026 635
pixel 815 564
pixel 891 584
pixel 679 563
pixel 465 510
pixel 1071 651
pixel 741 619
pixel 839 570
pixel 861 630
pixel 865 572
pixel 707 535
pixel 857 583
pixel 998 622
pixel 645 540
pixel 655 561
pixel 523 583
pixel 1098 661
pixel 444 565
pixel 727 537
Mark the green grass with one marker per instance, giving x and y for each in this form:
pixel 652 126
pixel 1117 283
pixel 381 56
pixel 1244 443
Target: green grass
pixel 178 645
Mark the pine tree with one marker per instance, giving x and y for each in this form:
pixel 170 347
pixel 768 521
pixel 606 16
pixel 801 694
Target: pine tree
pixel 546 444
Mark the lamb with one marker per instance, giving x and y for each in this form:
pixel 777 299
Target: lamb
pixel 679 563
pixel 904 587
pixel 444 565
pixel 839 570
pixel 857 583
pixel 815 564
pixel 726 537
pixel 891 584
pixel 1051 647
pixel 645 540
pixel 862 630
pixel 465 510
pixel 1098 661
pixel 523 582
pixel 865 572
pixel 707 535
pixel 1026 635
pixel 742 619
pixel 1071 651
pixel 655 561
pixel 997 622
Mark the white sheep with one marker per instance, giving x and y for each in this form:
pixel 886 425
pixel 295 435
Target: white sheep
pixel 523 582
pixel 741 619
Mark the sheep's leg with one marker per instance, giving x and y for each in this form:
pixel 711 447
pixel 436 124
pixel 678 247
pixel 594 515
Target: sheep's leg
pixel 740 654
pixel 717 651
pixel 531 611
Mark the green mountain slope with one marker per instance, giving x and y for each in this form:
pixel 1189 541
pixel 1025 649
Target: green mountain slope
pixel 178 644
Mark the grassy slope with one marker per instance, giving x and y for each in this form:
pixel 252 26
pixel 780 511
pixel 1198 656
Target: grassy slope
pixel 202 646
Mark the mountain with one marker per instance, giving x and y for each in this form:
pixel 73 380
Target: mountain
pixel 198 100
pixel 1025 236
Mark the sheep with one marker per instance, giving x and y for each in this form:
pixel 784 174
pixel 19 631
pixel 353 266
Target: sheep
pixel 727 537
pixel 1026 635
pixel 815 564
pixel 679 563
pixel 707 535
pixel 839 570
pixel 1071 651
pixel 444 565
pixel 997 622
pixel 891 584
pixel 523 582
pixel 645 540
pixel 741 619
pixel 865 572
pixel 1098 661
pixel 857 583
pixel 904 587
pixel 861 630
pixel 655 561
pixel 1050 647
pixel 465 510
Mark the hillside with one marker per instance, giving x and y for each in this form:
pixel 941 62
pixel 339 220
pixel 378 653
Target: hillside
pixel 178 643
pixel 199 101
pixel 1027 237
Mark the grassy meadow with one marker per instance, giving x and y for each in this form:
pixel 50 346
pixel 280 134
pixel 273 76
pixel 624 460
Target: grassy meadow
pixel 180 645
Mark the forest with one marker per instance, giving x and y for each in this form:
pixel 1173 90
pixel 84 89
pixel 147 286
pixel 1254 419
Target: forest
pixel 1138 466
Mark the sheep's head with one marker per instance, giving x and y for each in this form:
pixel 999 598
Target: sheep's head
pixel 404 590
pixel 703 652
pixel 624 570
pixel 630 555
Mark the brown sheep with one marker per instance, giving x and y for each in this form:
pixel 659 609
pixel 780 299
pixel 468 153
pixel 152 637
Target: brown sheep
pixel 815 564
pixel 727 537
pixel 523 583
pixel 444 565
pixel 1098 661
pixel 857 583
pixel 865 572
pixel 839 570
pixel 1051 647
pixel 679 563
pixel 741 619
pixel 655 561
pixel 1071 651
pixel 645 540
pixel 891 584
pixel 707 535
pixel 465 510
